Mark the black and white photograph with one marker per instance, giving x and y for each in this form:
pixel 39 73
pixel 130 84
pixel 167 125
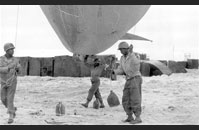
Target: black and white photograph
pixel 99 64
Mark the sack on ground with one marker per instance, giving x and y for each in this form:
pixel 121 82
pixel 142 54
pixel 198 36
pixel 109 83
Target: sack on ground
pixel 113 99
pixel 96 104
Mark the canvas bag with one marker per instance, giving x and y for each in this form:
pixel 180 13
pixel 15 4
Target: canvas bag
pixel 113 99
pixel 96 104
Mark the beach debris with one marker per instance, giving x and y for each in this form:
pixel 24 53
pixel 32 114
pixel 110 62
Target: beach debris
pixel 171 108
pixel 75 112
pixel 37 113
pixel 53 122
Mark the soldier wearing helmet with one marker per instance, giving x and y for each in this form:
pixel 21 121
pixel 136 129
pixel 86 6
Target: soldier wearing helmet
pixel 9 67
pixel 130 67
pixel 8 46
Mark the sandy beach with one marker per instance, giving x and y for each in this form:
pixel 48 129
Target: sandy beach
pixel 166 100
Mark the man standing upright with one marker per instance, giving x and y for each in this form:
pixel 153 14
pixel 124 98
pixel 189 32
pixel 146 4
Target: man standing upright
pixel 9 67
pixel 130 67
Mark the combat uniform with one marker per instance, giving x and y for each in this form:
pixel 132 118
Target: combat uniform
pixel 131 100
pixel 95 81
pixel 8 79
pixel 96 71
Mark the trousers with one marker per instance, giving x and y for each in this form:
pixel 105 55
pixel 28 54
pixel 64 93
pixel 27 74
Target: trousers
pixel 94 90
pixel 132 96
pixel 7 96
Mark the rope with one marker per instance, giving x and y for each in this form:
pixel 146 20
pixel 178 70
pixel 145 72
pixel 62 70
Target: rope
pixel 111 67
pixel 16 26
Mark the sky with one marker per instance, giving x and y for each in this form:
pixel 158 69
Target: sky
pixel 174 30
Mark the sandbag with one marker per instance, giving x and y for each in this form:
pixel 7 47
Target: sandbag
pixel 113 99
pixel 60 109
pixel 96 104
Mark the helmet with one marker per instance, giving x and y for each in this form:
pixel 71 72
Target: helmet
pixel 8 46
pixel 123 45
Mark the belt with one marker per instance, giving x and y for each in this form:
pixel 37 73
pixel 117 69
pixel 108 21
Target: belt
pixel 129 78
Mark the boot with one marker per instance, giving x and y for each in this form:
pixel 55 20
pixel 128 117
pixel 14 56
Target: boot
pixel 85 104
pixel 137 120
pixel 101 104
pixel 11 118
pixel 129 118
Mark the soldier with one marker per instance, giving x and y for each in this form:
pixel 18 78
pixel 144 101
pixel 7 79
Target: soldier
pixel 96 69
pixel 130 67
pixel 9 67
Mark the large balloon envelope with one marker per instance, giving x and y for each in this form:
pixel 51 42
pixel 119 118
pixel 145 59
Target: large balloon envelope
pixel 91 29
